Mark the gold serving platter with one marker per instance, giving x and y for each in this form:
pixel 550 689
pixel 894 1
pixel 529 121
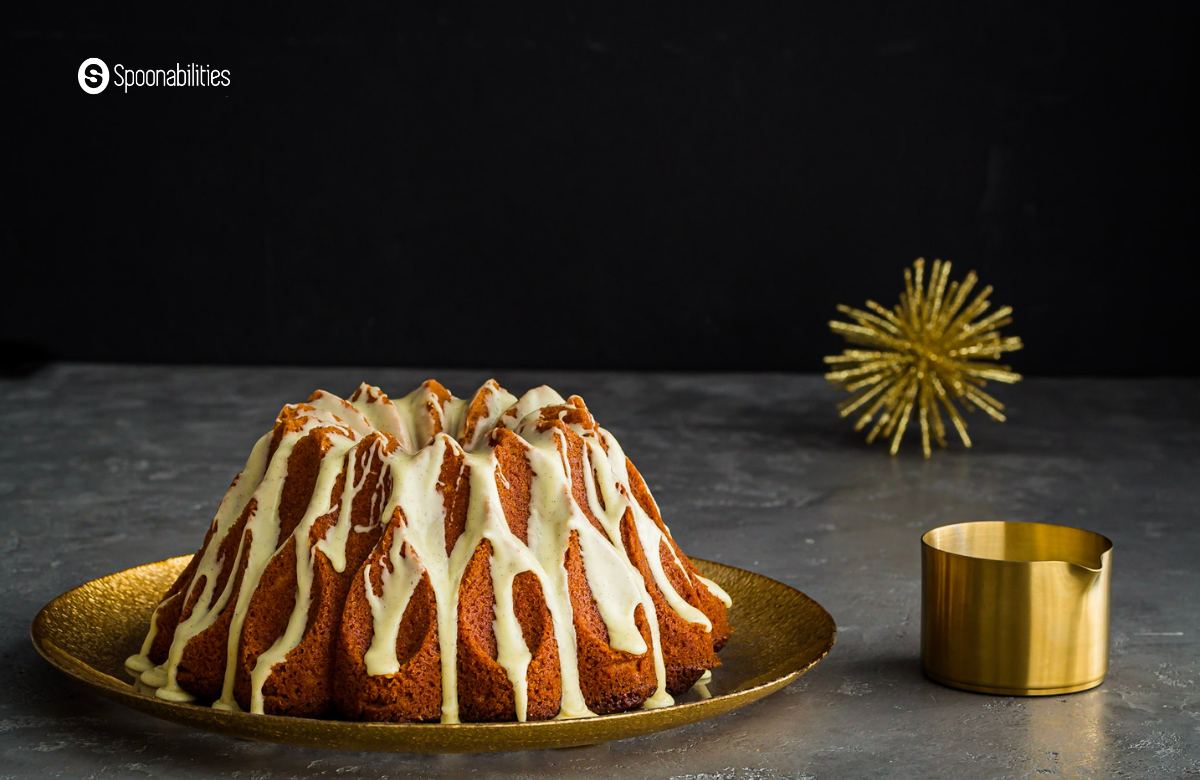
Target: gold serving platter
pixel 779 634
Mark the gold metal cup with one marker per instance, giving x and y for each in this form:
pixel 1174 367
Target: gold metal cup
pixel 1012 608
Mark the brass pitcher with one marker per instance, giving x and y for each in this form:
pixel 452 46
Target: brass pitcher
pixel 1015 608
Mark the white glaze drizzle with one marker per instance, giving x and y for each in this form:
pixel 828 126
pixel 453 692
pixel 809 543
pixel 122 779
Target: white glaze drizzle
pixel 715 589
pixel 322 499
pixel 248 483
pixel 425 429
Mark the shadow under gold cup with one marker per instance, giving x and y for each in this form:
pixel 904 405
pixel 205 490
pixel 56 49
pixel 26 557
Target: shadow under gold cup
pixel 1015 608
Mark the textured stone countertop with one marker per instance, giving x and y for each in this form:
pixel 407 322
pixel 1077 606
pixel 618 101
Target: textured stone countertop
pixel 105 467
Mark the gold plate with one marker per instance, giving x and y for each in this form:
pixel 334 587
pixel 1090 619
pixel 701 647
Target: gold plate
pixel 779 634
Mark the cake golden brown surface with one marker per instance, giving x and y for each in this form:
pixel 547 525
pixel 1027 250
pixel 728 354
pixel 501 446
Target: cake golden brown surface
pixel 434 558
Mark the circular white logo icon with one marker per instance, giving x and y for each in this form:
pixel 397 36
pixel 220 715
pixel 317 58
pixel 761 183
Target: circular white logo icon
pixel 93 76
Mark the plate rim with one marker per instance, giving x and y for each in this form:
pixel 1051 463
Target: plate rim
pixel 373 736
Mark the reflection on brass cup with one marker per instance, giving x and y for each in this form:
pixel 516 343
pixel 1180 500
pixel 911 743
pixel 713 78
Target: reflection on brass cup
pixel 1015 608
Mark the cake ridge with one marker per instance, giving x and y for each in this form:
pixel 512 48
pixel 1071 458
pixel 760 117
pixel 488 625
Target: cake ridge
pixel 427 451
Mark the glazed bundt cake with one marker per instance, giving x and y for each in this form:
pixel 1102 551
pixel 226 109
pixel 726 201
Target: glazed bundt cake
pixel 432 558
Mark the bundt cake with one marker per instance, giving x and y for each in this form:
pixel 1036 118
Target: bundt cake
pixel 432 558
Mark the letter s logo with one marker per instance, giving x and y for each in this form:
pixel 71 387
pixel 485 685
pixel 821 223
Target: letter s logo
pixel 93 76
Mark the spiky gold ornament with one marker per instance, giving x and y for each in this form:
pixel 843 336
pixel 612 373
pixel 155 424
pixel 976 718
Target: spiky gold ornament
pixel 926 354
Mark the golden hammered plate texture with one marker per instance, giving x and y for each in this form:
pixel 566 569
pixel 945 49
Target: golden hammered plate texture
pixel 779 634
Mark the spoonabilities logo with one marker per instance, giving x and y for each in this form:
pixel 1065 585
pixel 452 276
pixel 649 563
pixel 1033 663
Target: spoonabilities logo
pixel 93 76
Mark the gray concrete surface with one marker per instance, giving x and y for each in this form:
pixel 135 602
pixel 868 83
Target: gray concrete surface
pixel 103 467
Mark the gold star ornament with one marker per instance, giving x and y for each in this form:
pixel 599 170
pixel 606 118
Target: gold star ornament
pixel 930 354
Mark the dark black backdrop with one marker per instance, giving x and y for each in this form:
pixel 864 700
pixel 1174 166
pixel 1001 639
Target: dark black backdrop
pixel 555 188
